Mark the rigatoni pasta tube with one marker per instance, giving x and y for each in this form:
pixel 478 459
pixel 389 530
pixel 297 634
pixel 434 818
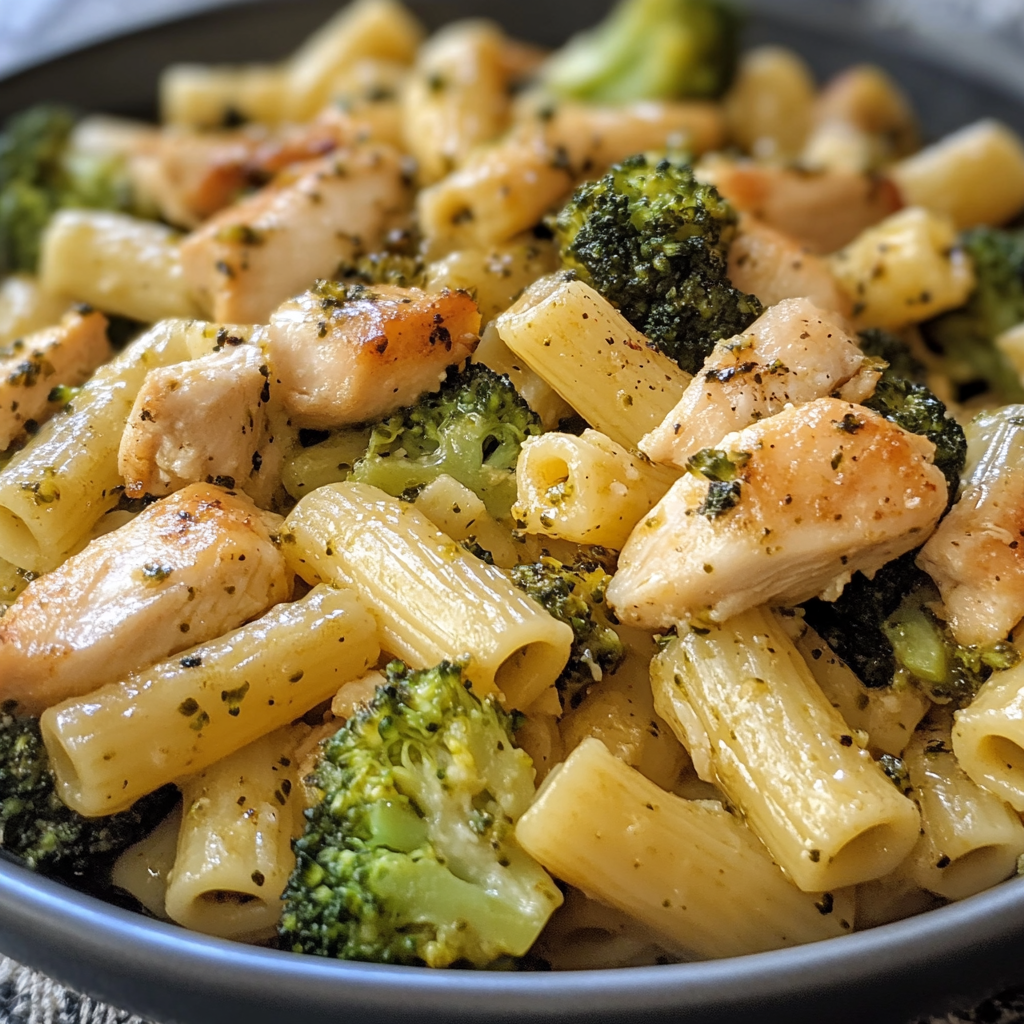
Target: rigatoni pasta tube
pixel 988 736
pixel 142 869
pixel 126 739
pixel 431 598
pixel 586 489
pixel 234 851
pixel 687 869
pixel 587 351
pixel 783 755
pixel 971 839
pixel 57 487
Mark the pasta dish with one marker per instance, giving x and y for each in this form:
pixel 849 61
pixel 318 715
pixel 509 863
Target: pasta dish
pixel 468 505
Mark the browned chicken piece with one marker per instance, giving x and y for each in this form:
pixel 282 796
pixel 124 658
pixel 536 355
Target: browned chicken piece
pixel 32 366
pixel 344 354
pixel 250 257
pixel 792 354
pixel 187 569
pixel 773 266
pixel 204 420
pixel 457 97
pixel 506 188
pixel 191 175
pixel 821 210
pixel 785 510
pixel 976 556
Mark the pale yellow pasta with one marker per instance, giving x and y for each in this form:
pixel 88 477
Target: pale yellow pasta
pixel 885 717
pixel 692 873
pixel 378 29
pixel 58 486
pixel 180 716
pixel 975 175
pixel 431 598
pixel 457 511
pixel 306 469
pixel 671 703
pixel 905 270
pixel 26 307
pixel 547 403
pixel 770 103
pixel 988 736
pixel 209 96
pixel 783 755
pixel 234 852
pixel 117 263
pixel 586 489
pixel 588 352
pixel 142 869
pixel 892 897
pixel 970 838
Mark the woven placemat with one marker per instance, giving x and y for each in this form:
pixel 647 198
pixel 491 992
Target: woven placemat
pixel 27 997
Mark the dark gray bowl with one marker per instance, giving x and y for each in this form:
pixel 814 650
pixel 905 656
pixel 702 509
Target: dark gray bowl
pixel 947 958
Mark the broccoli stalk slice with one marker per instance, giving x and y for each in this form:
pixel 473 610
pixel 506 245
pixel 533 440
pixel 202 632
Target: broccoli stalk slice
pixel 574 594
pixel 650 49
pixel 966 336
pixel 410 856
pixel 37 827
pixel 654 241
pixel 472 429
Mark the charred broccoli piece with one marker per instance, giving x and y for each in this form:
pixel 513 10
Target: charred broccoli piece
pixel 409 856
pixel 40 173
pixel 901 362
pixel 650 49
pixel 574 594
pixel 966 336
pixel 472 429
pixel 36 826
pixel 654 241
pixel 915 408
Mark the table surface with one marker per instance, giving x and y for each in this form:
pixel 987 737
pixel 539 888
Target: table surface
pixel 32 30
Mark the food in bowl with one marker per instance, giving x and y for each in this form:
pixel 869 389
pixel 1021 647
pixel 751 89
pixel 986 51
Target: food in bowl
pixel 468 506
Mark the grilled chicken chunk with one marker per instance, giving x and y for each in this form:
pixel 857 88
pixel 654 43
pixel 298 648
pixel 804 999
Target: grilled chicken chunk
pixel 205 420
pixel 187 569
pixel 31 367
pixel 783 511
pixel 769 264
pixel 976 556
pixel 823 211
pixel 346 354
pixel 252 256
pixel 793 353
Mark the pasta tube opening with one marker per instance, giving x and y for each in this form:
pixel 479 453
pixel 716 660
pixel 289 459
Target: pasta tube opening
pixel 1003 757
pixel 17 540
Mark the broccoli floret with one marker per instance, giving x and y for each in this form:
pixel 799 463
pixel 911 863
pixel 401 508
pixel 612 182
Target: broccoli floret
pixel 966 336
pixel 410 856
pixel 574 594
pixel 40 173
pixel 915 408
pixel 926 651
pixel 901 362
pixel 472 429
pixel 40 830
pixel 650 49
pixel 654 241
pixel 399 262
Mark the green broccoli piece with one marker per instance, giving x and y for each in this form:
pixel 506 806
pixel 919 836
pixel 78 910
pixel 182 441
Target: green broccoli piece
pixel 410 856
pixel 650 49
pixel 472 429
pixel 40 173
pixel 399 262
pixel 915 408
pixel 654 241
pixel 965 337
pixel 36 826
pixel 574 594
pixel 926 651
pixel 901 362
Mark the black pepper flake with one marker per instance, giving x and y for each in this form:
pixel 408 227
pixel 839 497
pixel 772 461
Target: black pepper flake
pixel 191 661
pixel 258 878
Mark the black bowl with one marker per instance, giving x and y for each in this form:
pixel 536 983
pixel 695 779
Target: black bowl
pixel 950 957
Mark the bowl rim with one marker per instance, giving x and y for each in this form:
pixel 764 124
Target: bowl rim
pixel 32 906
